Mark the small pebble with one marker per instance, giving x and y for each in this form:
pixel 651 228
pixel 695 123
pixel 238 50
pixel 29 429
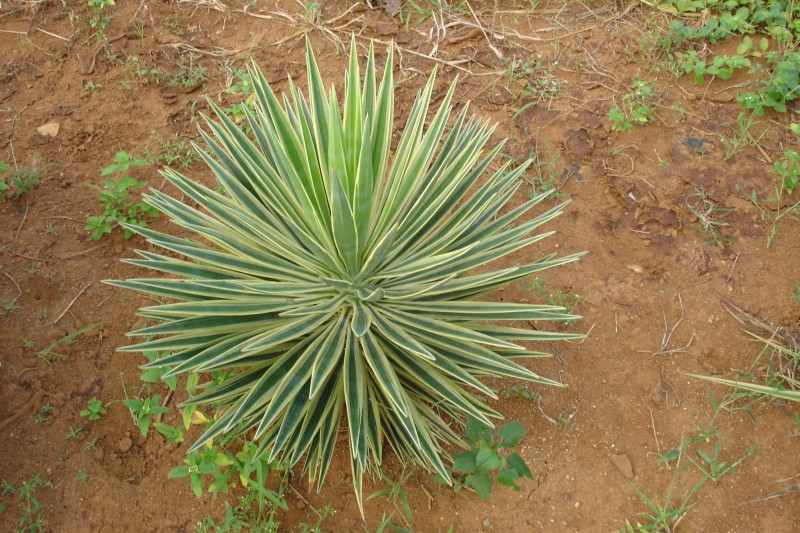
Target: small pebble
pixel 125 444
pixel 623 464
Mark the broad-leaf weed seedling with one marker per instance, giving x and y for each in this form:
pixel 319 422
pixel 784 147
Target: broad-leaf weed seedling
pixel 782 86
pixel 241 86
pixel 172 434
pixel 177 150
pixel 42 417
pixel 637 107
pixel 256 511
pixel 190 73
pixel 485 461
pixel 520 391
pixel 154 375
pixel 94 409
pixel 31 519
pixel 143 410
pixel 788 170
pixel 22 180
pixel 100 19
pixel 796 295
pixel 151 74
pixel 775 19
pixel 120 204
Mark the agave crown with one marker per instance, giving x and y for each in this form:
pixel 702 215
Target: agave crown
pixel 332 277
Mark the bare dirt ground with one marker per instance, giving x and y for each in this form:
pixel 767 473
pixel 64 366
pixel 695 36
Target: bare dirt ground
pixel 651 289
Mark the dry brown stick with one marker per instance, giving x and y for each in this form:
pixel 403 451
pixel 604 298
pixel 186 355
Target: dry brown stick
pixel 25 216
pixel 15 283
pixel 28 257
pixel 94 56
pixel 72 302
pixel 164 404
pixel 82 252
pixel 53 34
pixel 783 492
pixel 30 405
pixel 653 425
pixel 492 47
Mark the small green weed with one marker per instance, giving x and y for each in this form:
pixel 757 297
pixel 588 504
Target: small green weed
pixel 151 74
pixel 22 179
pixel 708 215
pixel 782 86
pixel 42 417
pixel 100 18
pixel 637 107
pixel 542 177
pixel 172 434
pixel 92 86
pixel 560 298
pixel 486 461
pixel 120 205
pixel 529 82
pixel 74 433
pixel 81 477
pixel 796 295
pixel 665 517
pixel 323 514
pixel 241 86
pixel 94 409
pixel 256 511
pixel 396 494
pixel 775 372
pixel 48 353
pixel 177 149
pixel 142 411
pixel 3 185
pixel 520 391
pixel 190 73
pixel 788 170
pixel 31 519
pixel 741 136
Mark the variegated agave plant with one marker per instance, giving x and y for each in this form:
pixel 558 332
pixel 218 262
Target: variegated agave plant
pixel 332 277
